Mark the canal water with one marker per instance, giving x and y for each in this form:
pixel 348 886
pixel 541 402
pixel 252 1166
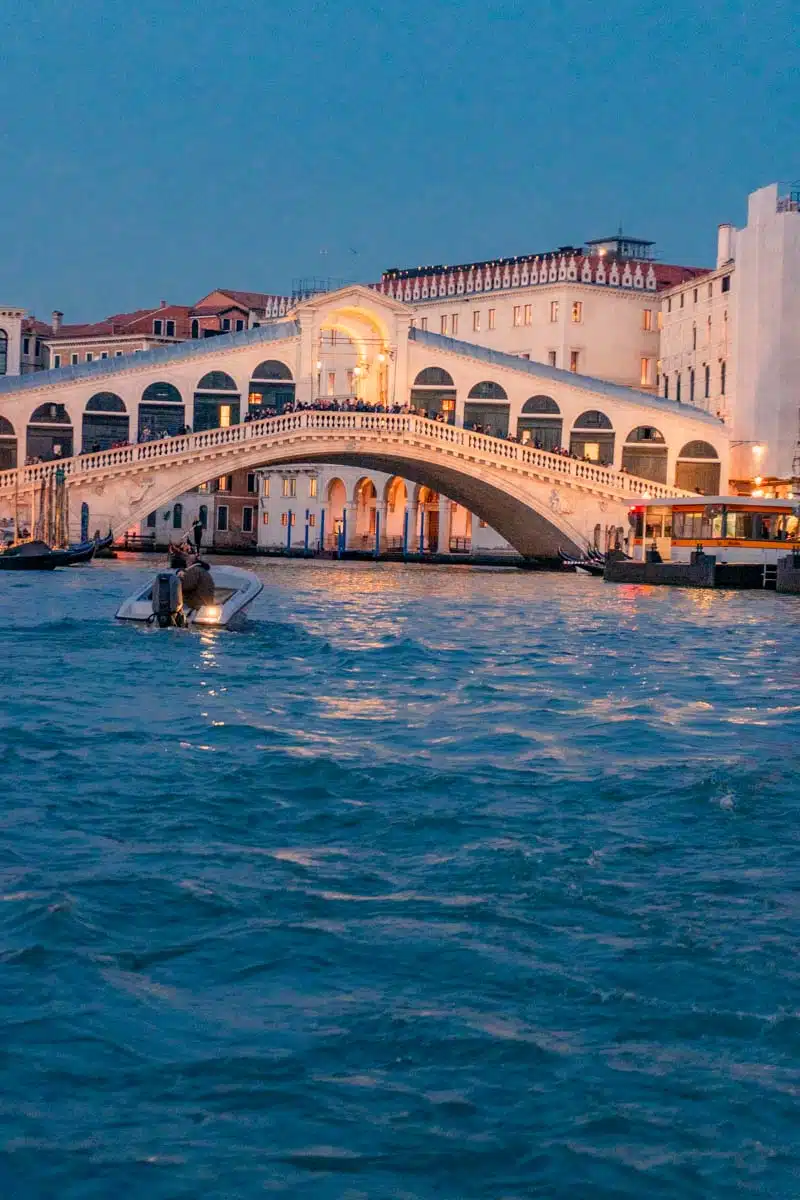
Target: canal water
pixel 433 882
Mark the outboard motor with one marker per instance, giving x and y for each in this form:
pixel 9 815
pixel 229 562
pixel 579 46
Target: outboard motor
pixel 168 601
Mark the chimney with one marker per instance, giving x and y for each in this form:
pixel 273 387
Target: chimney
pixel 57 318
pixel 163 304
pixel 726 242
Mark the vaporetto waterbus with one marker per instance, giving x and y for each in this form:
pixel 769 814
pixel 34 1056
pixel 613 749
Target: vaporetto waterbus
pixel 736 529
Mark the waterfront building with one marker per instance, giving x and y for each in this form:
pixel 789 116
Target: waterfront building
pixel 11 321
pixel 729 343
pixel 115 336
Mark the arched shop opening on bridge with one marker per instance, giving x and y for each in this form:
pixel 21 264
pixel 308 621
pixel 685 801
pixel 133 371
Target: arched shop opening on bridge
pixel 592 438
pixel 337 504
pixel 698 468
pixel 49 433
pixel 8 445
pixel 645 454
pixel 540 423
pixel 435 394
pixel 105 422
pixel 487 409
pixel 161 412
pixel 428 518
pixel 216 402
pixel 271 387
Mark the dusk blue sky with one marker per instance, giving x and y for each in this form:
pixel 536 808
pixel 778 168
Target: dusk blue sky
pixel 159 149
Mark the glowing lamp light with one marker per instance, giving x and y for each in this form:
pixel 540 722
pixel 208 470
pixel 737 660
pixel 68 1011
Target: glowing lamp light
pixel 757 481
pixel 319 365
pixel 758 450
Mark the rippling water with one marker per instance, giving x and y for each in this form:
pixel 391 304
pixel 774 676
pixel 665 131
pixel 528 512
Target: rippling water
pixel 429 884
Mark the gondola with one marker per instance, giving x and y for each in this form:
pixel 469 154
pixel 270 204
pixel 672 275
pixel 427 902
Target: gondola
pixel 593 563
pixel 38 556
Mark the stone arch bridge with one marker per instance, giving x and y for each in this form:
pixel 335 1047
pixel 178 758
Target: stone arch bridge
pixel 537 500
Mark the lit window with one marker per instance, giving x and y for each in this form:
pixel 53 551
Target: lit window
pixel 224 483
pixel 224 416
pixel 647 319
pixel 476 320
pixel 157 327
pixel 285 519
pixel 492 317
pixel 289 485
pixel 265 486
pixel 551 357
pixel 247 519
pixel 646 377
pixel 56 360
pixel 312 519
pixel 528 314
pixel 423 322
pixel 313 485
pixel 577 312
pixel 443 324
pixel 251 483
pixel 89 356
pixel 454 324
pixel 222 517
pixel 660 321
pixel 553 310
pixel 517 320
pixel 265 518
pixel 573 360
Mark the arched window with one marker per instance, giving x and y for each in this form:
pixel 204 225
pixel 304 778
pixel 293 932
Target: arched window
pixel 434 377
pixel 3 351
pixel 161 393
pixel 105 402
pixel 592 438
pixel 8 445
pixel 487 390
pixel 698 468
pixel 50 414
pixel 541 404
pixel 177 517
pixel 271 369
pixel 6 428
pixel 216 381
pixel 645 454
pixel 592 419
pixel 49 433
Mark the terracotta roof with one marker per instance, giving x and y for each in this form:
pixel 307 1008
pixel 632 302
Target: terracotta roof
pixel 249 299
pixel 138 322
pixel 214 310
pixel 39 328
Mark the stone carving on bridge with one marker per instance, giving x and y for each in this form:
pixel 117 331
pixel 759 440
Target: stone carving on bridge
pixel 558 504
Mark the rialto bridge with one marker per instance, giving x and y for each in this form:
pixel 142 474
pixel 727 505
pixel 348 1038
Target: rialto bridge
pixel 625 444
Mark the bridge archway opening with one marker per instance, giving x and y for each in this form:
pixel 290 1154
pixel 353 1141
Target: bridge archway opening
pixel 271 390
pixel 8 445
pixel 216 402
pixel 487 409
pixel 365 497
pixel 49 433
pixel 427 504
pixel 395 495
pixel 540 422
pixel 105 423
pixel 161 412
pixel 337 503
pixel 698 468
pixel 645 453
pixel 592 438
pixel 366 371
pixel 434 395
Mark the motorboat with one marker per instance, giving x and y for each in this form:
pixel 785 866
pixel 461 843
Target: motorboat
pixel 160 601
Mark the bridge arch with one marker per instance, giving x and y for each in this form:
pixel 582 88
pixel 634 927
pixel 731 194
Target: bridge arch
pixel 49 433
pixel 8 445
pixel 105 422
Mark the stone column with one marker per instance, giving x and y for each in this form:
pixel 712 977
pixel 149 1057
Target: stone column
pixel 443 541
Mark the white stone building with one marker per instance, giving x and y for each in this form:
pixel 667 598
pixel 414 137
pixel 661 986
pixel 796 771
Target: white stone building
pixel 730 341
pixel 11 320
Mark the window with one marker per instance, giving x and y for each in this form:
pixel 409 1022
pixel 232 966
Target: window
pixel 517 319
pixel 117 354
pixel 722 374
pixel 492 317
pixel 252 487
pixel 683 297
pixel 454 324
pixel 647 319
pixel 443 324
pixel 170 329
pixel 669 305
pixel 691 385
pixel 707 388
pixel 312 519
pixel 331 383
pixel 247 519
pixel 226 323
pixel 710 290
pixel 573 360
pixel 666 387
pixel 37 349
pixel 528 314
pixel 158 327
pixel 726 283
pixel 151 520
pixel 553 310
pixel 26 345
pixel 73 358
pixel 224 483
pixel 678 387
pixel 660 321
pixel 56 360
pixel 222 518
pixel 412 323
pixel 289 485
pixel 89 356
pixel 265 486
pixel 285 519
pixel 695 295
pixel 239 325
pixel 551 357
pixel 423 323
pixel 646 376
pixel 694 337
pixel 224 416
pixel 476 321
pixel 177 517
pixel 313 486
pixel 265 518
pixel 577 312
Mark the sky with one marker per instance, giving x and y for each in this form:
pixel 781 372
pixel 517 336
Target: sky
pixel 160 149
